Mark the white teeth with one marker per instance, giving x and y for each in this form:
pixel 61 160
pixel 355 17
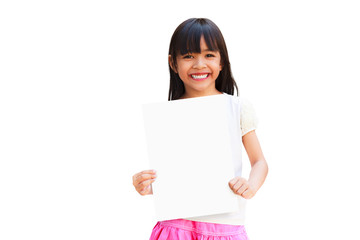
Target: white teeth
pixel 199 76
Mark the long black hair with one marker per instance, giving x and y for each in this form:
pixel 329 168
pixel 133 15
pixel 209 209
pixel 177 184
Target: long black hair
pixel 186 39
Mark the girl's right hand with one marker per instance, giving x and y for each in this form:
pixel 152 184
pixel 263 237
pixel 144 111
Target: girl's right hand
pixel 142 181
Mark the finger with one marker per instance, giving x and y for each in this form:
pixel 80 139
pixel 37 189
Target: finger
pixel 144 177
pixel 143 172
pixel 152 171
pixel 235 180
pixel 232 182
pixel 142 186
pixel 146 191
pixel 239 184
pixel 243 188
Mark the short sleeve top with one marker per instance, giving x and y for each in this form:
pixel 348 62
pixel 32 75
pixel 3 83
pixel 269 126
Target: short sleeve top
pixel 246 113
pixel 248 117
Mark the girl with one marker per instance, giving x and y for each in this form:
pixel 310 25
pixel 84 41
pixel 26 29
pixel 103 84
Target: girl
pixel 199 66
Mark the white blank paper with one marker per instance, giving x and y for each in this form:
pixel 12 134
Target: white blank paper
pixel 189 145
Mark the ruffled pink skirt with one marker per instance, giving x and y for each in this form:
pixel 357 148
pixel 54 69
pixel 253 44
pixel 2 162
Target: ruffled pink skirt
pixel 181 229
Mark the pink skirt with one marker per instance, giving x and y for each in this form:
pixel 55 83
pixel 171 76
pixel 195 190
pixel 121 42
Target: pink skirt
pixel 181 229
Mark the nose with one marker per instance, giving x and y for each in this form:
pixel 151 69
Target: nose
pixel 199 63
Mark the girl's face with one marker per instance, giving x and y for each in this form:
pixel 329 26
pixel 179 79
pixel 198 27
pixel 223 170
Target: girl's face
pixel 198 71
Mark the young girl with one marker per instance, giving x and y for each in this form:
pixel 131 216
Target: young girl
pixel 199 66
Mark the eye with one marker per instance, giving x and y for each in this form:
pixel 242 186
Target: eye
pixel 210 55
pixel 187 56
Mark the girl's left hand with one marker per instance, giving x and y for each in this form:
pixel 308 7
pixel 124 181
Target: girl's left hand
pixel 241 186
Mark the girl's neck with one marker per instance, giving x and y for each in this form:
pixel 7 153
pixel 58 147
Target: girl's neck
pixel 188 94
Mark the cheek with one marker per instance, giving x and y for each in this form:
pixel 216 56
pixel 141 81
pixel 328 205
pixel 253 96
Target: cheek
pixel 215 63
pixel 182 70
pixel 217 67
pixel 182 74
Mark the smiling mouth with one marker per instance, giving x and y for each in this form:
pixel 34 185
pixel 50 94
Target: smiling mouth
pixel 199 77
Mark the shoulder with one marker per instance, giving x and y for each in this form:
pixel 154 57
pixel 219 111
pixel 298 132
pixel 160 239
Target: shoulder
pixel 238 99
pixel 244 103
pixel 247 114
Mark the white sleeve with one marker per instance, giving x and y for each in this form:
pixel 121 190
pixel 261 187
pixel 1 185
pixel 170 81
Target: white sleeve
pixel 248 118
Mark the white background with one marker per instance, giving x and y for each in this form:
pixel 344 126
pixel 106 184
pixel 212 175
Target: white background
pixel 75 73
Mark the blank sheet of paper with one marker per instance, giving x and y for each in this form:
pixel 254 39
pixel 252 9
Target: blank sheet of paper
pixel 189 145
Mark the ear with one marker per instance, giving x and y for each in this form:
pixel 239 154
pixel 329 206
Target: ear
pixel 171 64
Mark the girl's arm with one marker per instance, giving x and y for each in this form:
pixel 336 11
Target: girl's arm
pixel 259 168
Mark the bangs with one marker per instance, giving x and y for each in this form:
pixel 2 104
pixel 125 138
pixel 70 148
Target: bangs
pixel 189 41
